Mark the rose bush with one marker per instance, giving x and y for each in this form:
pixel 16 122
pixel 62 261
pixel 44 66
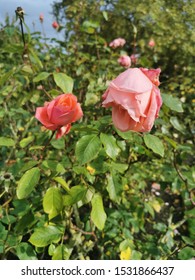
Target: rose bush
pixel 135 99
pixel 60 113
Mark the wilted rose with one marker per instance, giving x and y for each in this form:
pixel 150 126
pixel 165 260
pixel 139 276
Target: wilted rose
pixel 55 25
pixel 60 113
pixel 125 61
pixel 135 99
pixel 119 42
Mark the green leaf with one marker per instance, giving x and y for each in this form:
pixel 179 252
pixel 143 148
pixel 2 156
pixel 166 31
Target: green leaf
pixel 177 125
pixel 105 15
pixel 34 57
pixel 58 143
pixel 109 142
pixel 114 187
pixel 120 167
pixel 64 82
pixel 75 194
pixel 172 102
pixel 25 251
pixel 98 214
pixel 87 148
pixel 62 182
pixel 29 165
pixel 187 253
pixel 28 182
pixel 44 236
pixel 5 141
pixel 5 77
pixel 61 252
pixel 26 141
pixel 52 202
pixel 53 166
pixel 41 76
pixel 154 143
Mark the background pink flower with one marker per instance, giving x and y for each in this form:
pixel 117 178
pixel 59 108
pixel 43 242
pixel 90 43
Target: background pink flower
pixel 60 113
pixel 55 25
pixel 151 43
pixel 135 99
pixel 119 42
pixel 125 61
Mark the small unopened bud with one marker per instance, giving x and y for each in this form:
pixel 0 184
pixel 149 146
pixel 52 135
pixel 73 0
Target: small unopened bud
pixel 41 18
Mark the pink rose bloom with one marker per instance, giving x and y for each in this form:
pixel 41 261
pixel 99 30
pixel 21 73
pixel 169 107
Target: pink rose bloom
pixel 55 25
pixel 125 61
pixel 135 99
pixel 151 43
pixel 41 17
pixel 119 42
pixel 60 113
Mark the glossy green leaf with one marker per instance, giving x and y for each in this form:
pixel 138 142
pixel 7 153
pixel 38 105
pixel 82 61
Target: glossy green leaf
pixel 28 182
pixel 53 202
pixel 75 194
pixel 154 143
pixel 186 253
pixel 26 141
pixel 25 251
pixel 64 82
pixel 29 165
pixel 105 15
pixel 87 148
pixel 41 76
pixel 46 235
pixel 61 252
pixel 5 141
pixel 110 145
pixel 177 125
pixel 98 214
pixel 114 187
pixel 62 182
pixel 172 102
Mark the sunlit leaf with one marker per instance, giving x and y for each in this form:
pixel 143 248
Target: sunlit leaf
pixel 87 148
pixel 43 236
pixel 98 214
pixel 28 182
pixel 154 143
pixel 5 141
pixel 64 82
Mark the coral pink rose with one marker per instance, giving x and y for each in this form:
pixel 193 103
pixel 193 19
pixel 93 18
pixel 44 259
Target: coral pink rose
pixel 125 61
pixel 55 25
pixel 60 113
pixel 119 42
pixel 135 99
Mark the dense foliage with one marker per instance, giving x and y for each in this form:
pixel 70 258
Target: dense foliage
pixel 98 193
